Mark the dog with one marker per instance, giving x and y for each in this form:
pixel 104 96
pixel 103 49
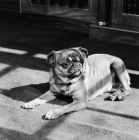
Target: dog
pixel 74 73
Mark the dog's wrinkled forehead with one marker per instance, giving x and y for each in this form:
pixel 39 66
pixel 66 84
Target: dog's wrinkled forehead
pixel 71 55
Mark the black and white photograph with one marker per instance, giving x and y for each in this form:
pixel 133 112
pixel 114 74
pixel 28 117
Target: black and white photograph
pixel 69 70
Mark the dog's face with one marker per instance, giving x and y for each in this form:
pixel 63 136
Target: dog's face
pixel 68 62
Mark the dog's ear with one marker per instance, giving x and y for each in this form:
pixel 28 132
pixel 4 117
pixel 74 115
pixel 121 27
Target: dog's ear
pixel 84 52
pixel 51 59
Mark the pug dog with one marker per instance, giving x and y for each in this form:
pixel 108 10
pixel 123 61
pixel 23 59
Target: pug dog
pixel 74 73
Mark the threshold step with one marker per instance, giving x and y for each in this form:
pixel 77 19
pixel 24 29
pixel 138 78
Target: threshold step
pixel 115 33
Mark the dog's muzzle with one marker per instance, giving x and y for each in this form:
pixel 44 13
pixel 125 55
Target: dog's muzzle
pixel 75 70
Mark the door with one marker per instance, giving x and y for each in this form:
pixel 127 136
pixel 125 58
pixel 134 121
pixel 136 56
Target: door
pixel 85 10
pixel 125 12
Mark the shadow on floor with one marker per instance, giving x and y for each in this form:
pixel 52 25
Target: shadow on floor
pixel 114 113
pixel 30 92
pixel 134 81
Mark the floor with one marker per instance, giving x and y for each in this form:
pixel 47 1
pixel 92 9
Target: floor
pixel 24 76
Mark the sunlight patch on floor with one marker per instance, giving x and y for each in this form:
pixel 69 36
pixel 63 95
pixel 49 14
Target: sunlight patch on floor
pixel 133 72
pixel 42 56
pixel 13 51
pixel 3 67
pixel 16 77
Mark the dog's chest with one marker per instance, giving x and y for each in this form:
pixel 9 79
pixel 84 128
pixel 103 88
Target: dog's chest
pixel 61 89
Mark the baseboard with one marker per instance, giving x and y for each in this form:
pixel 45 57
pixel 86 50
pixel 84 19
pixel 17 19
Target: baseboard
pixel 115 33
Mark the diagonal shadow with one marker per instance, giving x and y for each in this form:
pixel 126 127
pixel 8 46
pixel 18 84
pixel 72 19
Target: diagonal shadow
pixel 41 134
pixel 6 70
pixel 7 134
pixel 114 113
pixel 50 126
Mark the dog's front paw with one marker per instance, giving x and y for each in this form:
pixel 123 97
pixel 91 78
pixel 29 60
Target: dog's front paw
pixel 32 104
pixel 28 105
pixel 52 114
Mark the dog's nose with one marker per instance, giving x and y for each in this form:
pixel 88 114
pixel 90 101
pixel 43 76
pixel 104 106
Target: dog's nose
pixel 76 64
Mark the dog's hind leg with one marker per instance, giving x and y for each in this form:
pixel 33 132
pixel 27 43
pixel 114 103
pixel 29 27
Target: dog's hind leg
pixel 115 94
pixel 102 90
pixel 123 77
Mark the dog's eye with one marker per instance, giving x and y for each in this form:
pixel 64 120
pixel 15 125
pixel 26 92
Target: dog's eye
pixel 66 64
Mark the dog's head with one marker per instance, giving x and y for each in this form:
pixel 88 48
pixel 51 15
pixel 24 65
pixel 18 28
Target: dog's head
pixel 68 63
